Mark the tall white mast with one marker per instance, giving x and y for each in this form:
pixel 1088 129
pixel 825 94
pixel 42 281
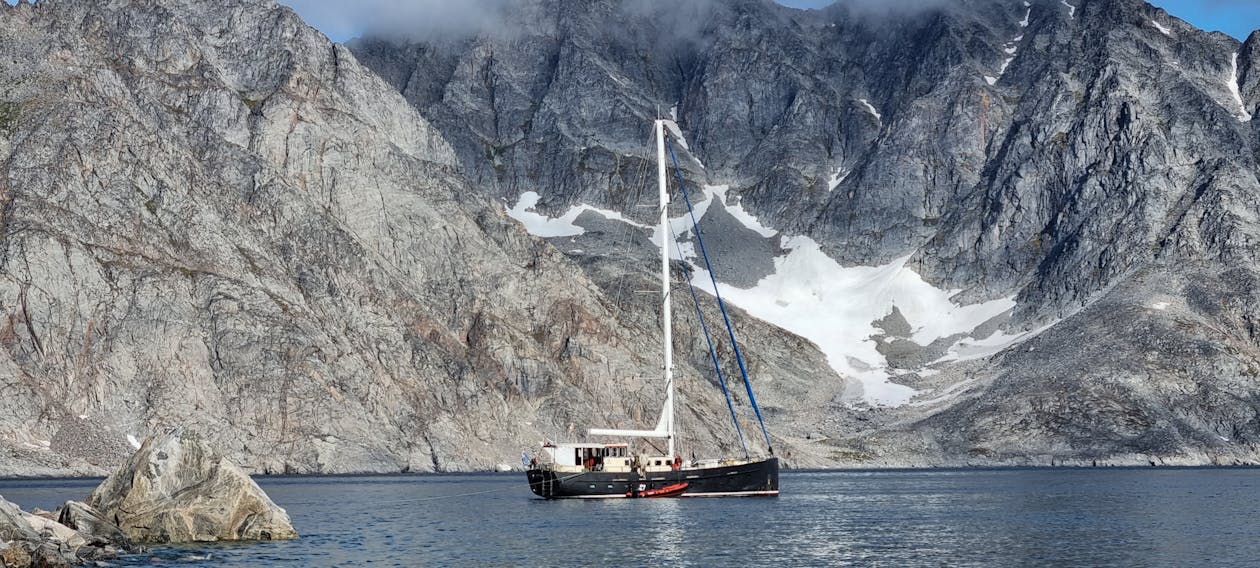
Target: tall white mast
pixel 664 426
pixel 666 323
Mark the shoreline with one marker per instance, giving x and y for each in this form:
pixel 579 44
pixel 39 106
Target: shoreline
pixel 493 473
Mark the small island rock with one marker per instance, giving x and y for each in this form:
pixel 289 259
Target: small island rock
pixel 176 488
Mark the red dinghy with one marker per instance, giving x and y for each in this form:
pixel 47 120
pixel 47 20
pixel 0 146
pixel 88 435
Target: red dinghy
pixel 671 490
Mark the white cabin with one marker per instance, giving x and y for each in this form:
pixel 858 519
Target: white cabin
pixel 578 457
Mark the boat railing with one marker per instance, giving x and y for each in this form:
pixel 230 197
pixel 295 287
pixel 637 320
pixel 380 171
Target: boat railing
pixel 703 464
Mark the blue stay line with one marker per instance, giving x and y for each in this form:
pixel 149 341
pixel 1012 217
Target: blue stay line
pixel 722 305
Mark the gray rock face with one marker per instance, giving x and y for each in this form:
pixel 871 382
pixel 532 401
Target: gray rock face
pixel 214 216
pixel 35 541
pixel 990 186
pixel 1060 153
pixel 175 488
pixel 211 215
pixel 13 524
pixel 92 525
pixel 1133 398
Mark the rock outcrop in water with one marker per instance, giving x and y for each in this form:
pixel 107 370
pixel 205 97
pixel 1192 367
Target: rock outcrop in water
pixel 176 488
pixel 28 540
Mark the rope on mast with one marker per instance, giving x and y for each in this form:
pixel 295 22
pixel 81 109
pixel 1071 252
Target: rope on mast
pixel 718 294
pixel 717 367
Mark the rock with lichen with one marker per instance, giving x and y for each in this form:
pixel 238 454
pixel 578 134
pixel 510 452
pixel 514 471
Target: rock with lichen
pixel 176 488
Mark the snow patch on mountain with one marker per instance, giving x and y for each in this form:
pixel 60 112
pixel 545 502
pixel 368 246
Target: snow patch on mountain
pixel 1071 8
pixel 676 132
pixel 681 226
pixel 812 295
pixel 1005 64
pixel 542 226
pixel 835 306
pixel 1011 48
pixel 1162 29
pixel 969 349
pixel 737 211
pixel 949 393
pixel 1232 83
pixel 837 178
pixel 871 109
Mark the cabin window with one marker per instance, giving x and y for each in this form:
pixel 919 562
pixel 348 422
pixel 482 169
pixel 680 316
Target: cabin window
pixel 658 462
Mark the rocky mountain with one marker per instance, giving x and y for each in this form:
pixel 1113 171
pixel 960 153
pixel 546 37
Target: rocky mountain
pixel 213 216
pixel 1031 224
pixel 978 231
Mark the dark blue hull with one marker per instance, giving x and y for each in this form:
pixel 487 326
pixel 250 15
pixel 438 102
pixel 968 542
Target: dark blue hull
pixel 750 479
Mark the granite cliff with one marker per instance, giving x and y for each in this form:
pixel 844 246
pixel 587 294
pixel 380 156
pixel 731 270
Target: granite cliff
pixel 214 216
pixel 1077 180
pixel 320 256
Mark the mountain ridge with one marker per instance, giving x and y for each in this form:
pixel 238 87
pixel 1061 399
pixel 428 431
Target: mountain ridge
pixel 1049 151
pixel 314 253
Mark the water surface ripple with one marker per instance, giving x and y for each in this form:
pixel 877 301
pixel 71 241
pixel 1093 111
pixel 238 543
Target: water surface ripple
pixel 1005 517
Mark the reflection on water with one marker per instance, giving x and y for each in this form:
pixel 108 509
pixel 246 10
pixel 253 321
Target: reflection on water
pixel 666 530
pixel 1107 517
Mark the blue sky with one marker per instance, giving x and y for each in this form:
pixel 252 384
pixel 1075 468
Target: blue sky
pixel 1234 17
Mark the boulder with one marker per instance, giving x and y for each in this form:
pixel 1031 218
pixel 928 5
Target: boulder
pixel 176 488
pixel 29 540
pixel 50 554
pixel 50 530
pixel 13 524
pixel 94 526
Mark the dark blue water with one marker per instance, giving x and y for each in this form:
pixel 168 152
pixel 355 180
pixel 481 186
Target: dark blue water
pixel 1061 517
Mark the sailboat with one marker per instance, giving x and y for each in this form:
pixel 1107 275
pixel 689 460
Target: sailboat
pixel 590 470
